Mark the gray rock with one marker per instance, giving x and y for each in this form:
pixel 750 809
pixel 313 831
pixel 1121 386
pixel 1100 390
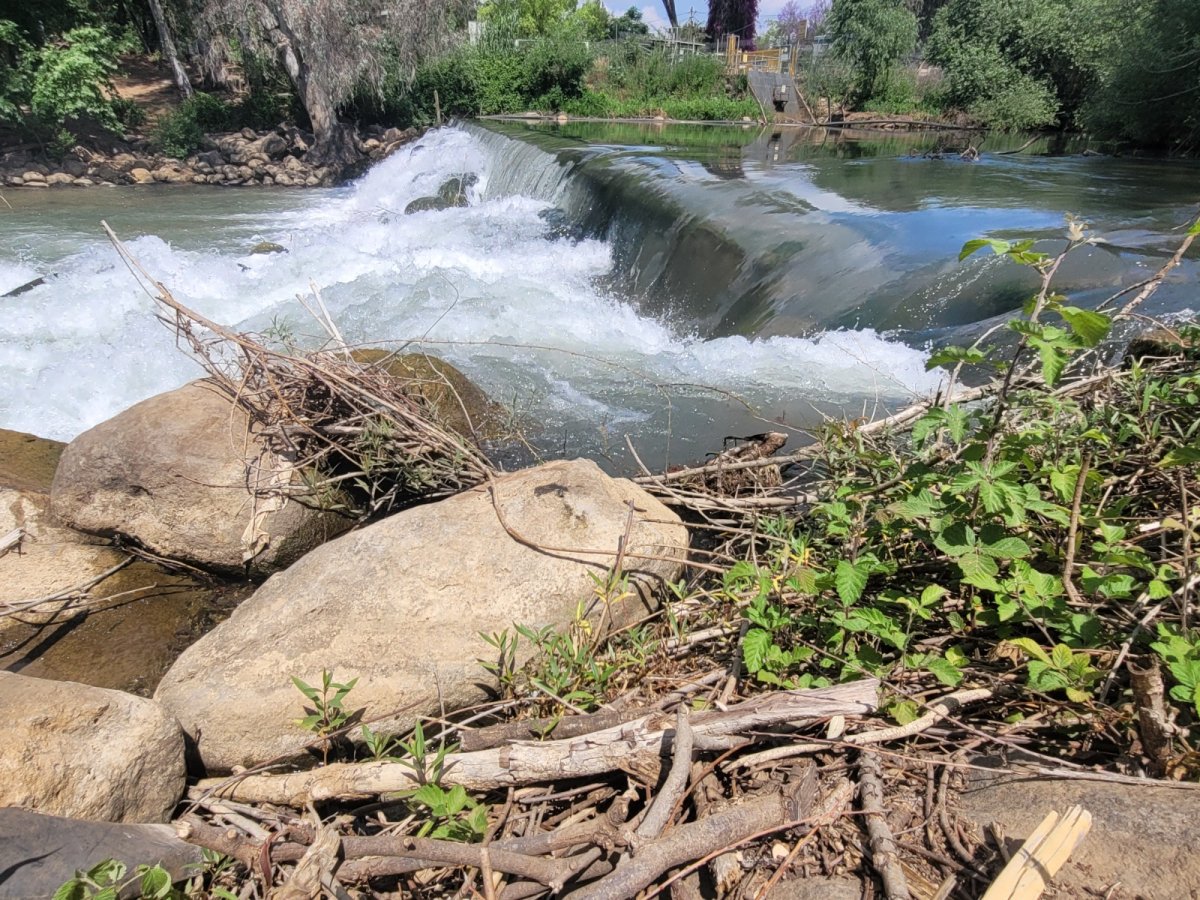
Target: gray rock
pixel 1143 836
pixel 39 852
pixel 400 604
pixel 172 472
pixel 74 167
pixel 427 204
pixel 837 887
pixel 59 178
pixel 454 190
pixel 268 247
pixel 86 752
pixel 270 146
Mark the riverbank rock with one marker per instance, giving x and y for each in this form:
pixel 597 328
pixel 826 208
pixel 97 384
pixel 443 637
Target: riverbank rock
pixel 39 853
pixel 174 473
pixel 140 616
pixel 1141 836
pixel 400 605
pixel 88 753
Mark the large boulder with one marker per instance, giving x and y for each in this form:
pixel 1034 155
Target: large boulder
pixel 140 617
pixel 175 473
pixel 400 605
pixel 1141 837
pixel 39 853
pixel 88 753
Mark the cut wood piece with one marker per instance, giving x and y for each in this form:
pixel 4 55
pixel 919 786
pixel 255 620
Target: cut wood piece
pixel 627 747
pixel 1044 852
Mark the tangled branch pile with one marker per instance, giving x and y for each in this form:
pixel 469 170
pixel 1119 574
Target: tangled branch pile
pixel 362 439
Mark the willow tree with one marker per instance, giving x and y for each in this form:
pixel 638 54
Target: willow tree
pixel 331 48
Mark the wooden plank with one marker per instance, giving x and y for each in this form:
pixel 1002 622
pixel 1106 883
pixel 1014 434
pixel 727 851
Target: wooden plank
pixel 1044 852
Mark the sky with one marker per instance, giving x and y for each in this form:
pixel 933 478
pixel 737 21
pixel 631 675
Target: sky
pixel 656 16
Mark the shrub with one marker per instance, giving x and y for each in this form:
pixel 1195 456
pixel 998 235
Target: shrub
pixel 872 35
pixel 181 132
pixel 72 78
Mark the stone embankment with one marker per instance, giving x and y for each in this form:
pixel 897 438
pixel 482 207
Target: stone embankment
pixel 246 157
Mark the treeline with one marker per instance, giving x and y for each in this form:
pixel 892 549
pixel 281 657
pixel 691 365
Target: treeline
pixel 1127 70
pixel 1121 69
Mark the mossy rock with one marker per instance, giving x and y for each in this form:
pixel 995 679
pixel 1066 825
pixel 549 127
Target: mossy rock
pixel 267 247
pixel 426 204
pixel 456 402
pixel 454 190
pixel 27 462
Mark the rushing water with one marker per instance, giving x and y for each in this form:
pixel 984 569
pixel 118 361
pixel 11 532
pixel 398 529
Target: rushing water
pixel 675 285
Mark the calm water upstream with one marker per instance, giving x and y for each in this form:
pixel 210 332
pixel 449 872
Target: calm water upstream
pixel 671 284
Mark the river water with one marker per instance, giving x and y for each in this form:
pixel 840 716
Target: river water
pixel 677 285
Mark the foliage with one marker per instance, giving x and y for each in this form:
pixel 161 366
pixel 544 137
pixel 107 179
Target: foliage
pixel 107 881
pixel 327 713
pixel 736 17
pixel 937 554
pixel 1019 63
pixel 872 36
pixel 1148 76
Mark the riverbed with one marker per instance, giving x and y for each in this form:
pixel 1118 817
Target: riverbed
pixel 676 285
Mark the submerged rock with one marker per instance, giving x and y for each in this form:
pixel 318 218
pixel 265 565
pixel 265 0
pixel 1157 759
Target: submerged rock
pixel 455 401
pixel 427 204
pixel 267 247
pixel 88 753
pixel 39 853
pixel 400 604
pixel 175 473
pixel 454 190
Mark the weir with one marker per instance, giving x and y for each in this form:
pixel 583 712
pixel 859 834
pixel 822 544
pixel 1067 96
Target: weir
pixel 674 285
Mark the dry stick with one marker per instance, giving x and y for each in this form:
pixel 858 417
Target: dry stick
pixel 10 540
pixel 68 593
pixel 1153 726
pixel 938 710
pixel 885 856
pixel 636 743
pixel 660 810
pixel 1158 277
pixel 688 842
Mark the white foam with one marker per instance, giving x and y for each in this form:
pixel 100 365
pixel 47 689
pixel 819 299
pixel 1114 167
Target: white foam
pixel 482 284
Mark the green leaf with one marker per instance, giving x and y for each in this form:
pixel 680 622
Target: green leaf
pixel 998 247
pixel 904 711
pixel 1061 656
pixel 755 645
pixel 1054 361
pixel 1195 229
pixel 850 578
pixel 955 539
pixel 1182 456
pixel 71 890
pixel 1091 327
pixel 994 543
pixel 944 671
pixel 980 571
pixel 1031 648
pixel 947 355
pixel 156 883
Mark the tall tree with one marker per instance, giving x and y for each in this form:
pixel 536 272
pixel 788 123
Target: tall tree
pixel 167 43
pixel 736 17
pixel 330 47
pixel 872 36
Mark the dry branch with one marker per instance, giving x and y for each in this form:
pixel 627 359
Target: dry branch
pixel 884 855
pixel 633 746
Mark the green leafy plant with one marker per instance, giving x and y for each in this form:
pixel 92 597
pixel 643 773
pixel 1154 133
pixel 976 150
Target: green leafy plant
pixel 452 814
pixel 107 881
pixel 327 713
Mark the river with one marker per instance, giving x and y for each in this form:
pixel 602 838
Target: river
pixel 674 284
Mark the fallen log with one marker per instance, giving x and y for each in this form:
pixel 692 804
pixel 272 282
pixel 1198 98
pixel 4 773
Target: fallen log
pixel 636 746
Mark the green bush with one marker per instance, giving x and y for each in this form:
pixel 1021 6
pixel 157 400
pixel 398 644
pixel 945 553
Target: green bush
pixel 72 77
pixel 181 133
pixel 871 35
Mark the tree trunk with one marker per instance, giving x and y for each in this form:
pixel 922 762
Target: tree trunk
pixel 168 49
pixel 333 144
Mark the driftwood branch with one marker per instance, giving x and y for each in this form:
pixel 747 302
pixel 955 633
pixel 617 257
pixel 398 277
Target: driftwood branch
pixel 692 841
pixel 633 746
pixel 885 857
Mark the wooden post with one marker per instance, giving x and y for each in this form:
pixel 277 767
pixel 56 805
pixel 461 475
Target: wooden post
pixel 437 107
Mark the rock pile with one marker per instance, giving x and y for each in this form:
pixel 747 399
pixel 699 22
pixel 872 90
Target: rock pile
pixel 246 157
